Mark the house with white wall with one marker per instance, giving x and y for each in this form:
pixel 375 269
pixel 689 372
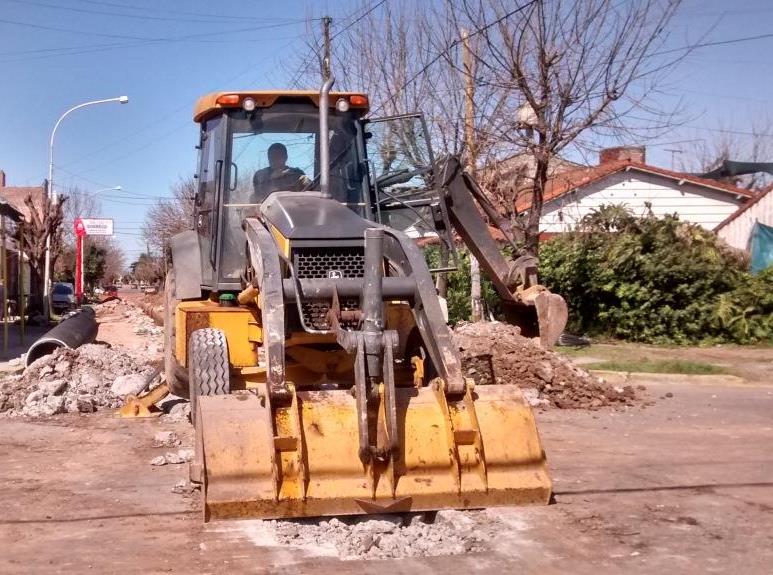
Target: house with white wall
pixel 737 228
pixel 622 177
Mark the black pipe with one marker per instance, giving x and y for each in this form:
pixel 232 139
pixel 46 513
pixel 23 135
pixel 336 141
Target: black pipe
pixel 76 330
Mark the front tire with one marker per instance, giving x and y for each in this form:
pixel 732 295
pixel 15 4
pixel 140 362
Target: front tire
pixel 208 374
pixel 208 368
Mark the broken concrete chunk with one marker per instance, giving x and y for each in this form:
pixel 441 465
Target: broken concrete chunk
pixel 173 457
pixel 34 397
pixel 166 439
pixel 53 387
pixel 131 384
pixel 62 367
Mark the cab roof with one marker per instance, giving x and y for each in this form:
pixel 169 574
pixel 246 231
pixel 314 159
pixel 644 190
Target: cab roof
pixel 212 103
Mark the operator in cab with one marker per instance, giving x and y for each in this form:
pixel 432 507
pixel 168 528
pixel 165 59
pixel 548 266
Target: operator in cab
pixel 278 176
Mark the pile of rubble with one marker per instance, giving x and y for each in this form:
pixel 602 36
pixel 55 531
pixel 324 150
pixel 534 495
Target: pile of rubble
pixel 389 536
pixel 83 380
pixel 494 352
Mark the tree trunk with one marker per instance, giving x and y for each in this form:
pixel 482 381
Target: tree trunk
pixel 535 212
pixel 35 301
pixel 476 302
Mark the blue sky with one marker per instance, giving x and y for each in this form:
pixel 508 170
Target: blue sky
pixel 164 54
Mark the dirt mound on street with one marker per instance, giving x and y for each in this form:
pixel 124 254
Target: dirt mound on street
pixel 81 380
pixel 494 352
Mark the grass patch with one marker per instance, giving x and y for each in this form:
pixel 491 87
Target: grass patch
pixel 658 366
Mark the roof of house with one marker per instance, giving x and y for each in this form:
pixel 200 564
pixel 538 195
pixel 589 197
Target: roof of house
pixel 757 197
pixel 566 182
pixel 15 195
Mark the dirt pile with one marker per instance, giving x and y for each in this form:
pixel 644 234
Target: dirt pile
pixel 81 380
pixel 389 536
pixel 495 353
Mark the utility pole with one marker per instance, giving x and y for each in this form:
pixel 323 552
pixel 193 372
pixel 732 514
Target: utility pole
pixel 476 301
pixel 327 21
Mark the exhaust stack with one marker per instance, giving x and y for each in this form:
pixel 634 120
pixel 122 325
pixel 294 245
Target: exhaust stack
pixel 324 140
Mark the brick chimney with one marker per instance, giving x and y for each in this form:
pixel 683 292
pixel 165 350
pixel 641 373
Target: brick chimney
pixel 623 153
pixel 2 179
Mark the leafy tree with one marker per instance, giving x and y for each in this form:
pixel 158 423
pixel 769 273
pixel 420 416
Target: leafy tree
pixel 95 260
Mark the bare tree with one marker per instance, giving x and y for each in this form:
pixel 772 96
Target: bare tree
pixel 45 219
pixel 570 72
pixel 169 217
pixel 551 77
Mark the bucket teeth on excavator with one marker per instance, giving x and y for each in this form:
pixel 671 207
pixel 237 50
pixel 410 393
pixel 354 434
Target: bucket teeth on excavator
pixel 300 459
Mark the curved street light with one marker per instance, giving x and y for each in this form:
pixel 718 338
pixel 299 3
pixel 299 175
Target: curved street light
pixel 52 193
pixel 114 188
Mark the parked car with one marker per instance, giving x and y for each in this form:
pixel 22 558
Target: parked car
pixel 99 291
pixel 151 290
pixel 63 297
pixel 111 291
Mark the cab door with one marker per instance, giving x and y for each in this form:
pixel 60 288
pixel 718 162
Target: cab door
pixel 210 176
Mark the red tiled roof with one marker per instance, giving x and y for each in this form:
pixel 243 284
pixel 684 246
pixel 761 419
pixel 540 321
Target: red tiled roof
pixel 567 181
pixel 757 197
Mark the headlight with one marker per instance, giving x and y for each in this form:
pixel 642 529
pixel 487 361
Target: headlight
pixel 342 105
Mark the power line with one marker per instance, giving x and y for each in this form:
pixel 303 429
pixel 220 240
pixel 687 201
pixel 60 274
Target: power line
pixel 173 12
pixel 359 19
pixel 143 38
pixel 198 20
pixel 449 47
pixel 308 60
pixel 155 122
pixel 714 43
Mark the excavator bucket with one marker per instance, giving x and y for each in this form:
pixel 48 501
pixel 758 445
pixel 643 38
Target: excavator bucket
pixel 302 459
pixel 540 315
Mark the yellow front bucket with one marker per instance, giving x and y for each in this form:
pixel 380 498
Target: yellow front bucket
pixel 302 460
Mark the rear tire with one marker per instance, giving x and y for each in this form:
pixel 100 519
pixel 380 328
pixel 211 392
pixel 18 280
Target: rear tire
pixel 208 368
pixel 176 375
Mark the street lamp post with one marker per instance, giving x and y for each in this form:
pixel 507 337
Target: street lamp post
pixel 52 194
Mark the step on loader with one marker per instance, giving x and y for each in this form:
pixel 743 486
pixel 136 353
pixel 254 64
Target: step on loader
pixel 304 324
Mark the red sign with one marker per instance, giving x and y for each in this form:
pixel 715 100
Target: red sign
pixel 80 229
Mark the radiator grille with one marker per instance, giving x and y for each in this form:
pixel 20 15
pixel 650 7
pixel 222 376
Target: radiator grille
pixel 323 263
pixel 327 263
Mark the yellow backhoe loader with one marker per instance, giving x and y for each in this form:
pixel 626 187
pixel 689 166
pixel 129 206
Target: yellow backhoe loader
pixel 303 323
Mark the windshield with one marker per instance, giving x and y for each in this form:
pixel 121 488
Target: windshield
pixel 62 289
pixel 277 149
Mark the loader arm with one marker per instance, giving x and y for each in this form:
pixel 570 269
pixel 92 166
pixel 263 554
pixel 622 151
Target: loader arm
pixel 538 312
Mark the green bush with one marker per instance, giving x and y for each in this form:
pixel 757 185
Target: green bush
pixel 656 280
